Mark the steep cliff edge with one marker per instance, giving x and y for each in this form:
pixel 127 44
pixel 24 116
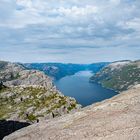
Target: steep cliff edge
pixel 119 75
pixel 29 95
pixel 117 118
pixel 60 70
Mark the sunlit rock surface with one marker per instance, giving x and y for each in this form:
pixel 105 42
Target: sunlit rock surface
pixel 117 118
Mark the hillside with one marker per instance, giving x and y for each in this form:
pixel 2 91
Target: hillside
pixel 119 75
pixel 59 70
pixel 9 71
pixel 29 95
pixel 117 118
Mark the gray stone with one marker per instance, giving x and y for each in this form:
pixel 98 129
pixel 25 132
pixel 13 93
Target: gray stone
pixel 117 118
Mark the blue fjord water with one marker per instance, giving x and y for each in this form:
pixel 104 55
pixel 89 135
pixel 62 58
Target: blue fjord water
pixel 79 87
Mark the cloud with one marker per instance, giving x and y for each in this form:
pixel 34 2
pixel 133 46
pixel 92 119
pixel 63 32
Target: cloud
pixel 69 26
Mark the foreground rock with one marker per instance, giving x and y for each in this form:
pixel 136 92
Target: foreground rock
pixel 115 119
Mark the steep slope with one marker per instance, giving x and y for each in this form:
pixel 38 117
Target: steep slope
pixel 29 95
pixel 119 75
pixel 56 70
pixel 9 71
pixel 59 70
pixel 117 118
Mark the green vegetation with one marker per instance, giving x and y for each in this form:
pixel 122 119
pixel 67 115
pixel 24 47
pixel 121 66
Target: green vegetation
pixel 72 106
pixel 28 94
pixel 118 79
pixel 31 103
pixel 31 117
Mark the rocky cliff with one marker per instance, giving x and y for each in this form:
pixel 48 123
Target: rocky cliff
pixel 117 118
pixel 119 75
pixel 29 95
pixel 60 70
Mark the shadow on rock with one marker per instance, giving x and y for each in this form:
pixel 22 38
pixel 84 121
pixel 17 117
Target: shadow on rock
pixel 8 127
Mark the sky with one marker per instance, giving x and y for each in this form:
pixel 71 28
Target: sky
pixel 69 31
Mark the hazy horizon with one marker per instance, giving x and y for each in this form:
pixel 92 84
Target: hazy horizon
pixel 69 62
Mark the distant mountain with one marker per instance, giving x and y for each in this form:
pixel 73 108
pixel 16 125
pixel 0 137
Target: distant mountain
pixel 29 95
pixel 119 75
pixel 59 70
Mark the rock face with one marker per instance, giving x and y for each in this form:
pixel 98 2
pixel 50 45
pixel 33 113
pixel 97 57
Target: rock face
pixel 9 71
pixel 117 118
pixel 29 95
pixel 13 74
pixel 119 75
pixel 30 77
pixel 60 70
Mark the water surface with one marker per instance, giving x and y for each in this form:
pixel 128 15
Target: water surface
pixel 79 87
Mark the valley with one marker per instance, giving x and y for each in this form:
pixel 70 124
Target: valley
pixel 85 92
pixel 69 69
pixel 32 94
pixel 29 95
pixel 60 70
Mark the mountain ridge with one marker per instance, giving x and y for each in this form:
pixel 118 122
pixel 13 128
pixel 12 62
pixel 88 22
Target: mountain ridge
pixel 118 75
pixel 29 95
pixel 60 70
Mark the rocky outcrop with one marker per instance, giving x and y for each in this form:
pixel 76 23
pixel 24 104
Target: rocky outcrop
pixel 119 75
pixel 29 95
pixel 30 78
pixel 13 74
pixel 9 71
pixel 117 118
